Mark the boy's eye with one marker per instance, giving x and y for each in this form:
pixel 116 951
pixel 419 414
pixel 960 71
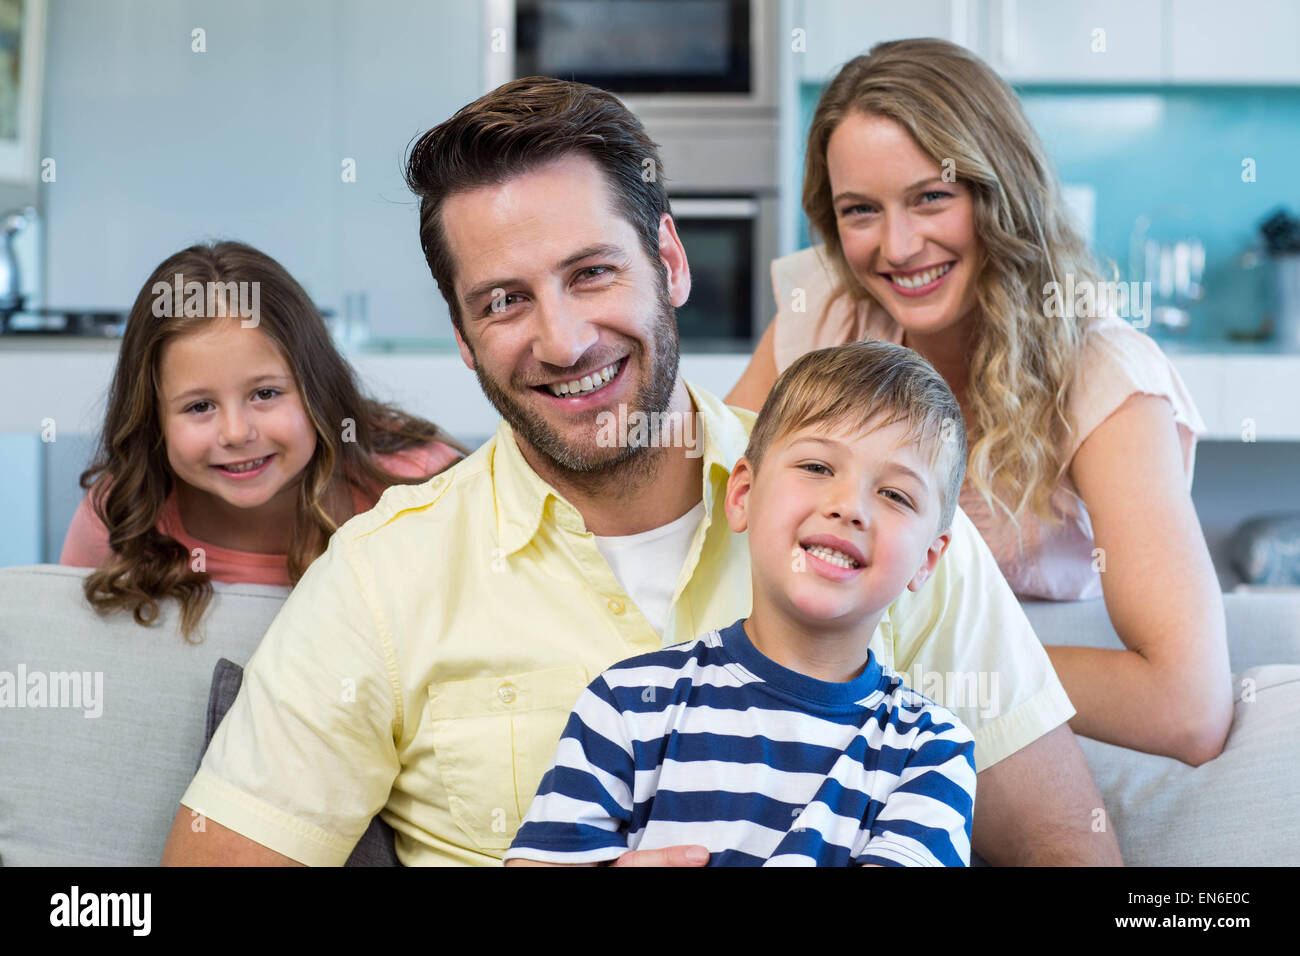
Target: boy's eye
pixel 895 496
pixel 815 465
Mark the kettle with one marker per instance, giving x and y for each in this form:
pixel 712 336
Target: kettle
pixel 11 294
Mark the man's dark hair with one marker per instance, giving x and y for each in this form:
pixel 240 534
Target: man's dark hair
pixel 517 127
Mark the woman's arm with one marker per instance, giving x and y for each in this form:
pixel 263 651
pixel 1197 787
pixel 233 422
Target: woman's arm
pixel 1170 692
pixel 759 377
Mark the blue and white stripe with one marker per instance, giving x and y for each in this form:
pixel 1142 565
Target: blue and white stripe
pixel 709 742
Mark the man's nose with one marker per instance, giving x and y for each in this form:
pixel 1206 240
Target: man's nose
pixel 902 242
pixel 563 336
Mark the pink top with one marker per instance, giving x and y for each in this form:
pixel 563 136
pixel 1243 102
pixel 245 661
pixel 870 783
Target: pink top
pixel 1056 562
pixel 86 545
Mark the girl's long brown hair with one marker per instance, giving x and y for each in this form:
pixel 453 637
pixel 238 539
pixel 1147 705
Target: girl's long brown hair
pixel 130 479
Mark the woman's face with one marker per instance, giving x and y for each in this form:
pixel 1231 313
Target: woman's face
pixel 908 235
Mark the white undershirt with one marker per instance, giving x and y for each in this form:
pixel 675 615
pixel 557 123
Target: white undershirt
pixel 648 564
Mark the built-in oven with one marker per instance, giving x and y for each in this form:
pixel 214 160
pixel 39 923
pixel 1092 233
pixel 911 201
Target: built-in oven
pixel 729 243
pixel 662 47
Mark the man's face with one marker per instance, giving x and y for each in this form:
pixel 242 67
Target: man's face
pixel 564 316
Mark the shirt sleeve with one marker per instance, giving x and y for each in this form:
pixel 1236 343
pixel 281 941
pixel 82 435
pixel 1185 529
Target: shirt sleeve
pixel 583 807
pixel 927 817
pixel 86 543
pixel 1119 362
pixel 963 641
pixel 307 754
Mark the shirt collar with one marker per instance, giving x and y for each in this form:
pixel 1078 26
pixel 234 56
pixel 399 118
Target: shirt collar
pixel 522 495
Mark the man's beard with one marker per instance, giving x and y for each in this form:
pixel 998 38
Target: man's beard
pixel 594 467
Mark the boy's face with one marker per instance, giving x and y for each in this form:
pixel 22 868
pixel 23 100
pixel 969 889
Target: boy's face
pixel 839 522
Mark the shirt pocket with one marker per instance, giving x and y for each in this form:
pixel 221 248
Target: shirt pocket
pixel 493 739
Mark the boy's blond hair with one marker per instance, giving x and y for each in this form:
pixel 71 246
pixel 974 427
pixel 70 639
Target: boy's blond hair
pixel 853 385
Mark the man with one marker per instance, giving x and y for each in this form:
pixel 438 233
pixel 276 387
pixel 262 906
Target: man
pixel 426 663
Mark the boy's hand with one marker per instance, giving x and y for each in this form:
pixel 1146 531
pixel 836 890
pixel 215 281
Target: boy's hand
pixel 693 855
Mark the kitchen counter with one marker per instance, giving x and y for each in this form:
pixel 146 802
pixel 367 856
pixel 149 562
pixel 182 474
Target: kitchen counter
pixel 1236 386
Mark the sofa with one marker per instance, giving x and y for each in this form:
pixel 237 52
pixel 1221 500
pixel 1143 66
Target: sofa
pixel 98 779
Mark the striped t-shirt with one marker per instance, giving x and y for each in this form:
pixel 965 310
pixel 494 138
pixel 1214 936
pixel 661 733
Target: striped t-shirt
pixel 709 742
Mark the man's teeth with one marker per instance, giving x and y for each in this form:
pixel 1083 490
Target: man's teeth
pixel 921 278
pixel 248 465
pixel 831 556
pixel 588 383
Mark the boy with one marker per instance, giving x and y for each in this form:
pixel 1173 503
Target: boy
pixel 781 740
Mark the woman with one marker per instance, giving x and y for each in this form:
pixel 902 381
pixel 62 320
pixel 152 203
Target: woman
pixel 944 231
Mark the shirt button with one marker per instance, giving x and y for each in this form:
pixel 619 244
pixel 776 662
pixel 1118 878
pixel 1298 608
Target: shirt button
pixel 507 693
pixel 617 606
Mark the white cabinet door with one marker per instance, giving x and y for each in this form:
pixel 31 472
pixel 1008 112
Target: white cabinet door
pixel 403 68
pixel 1076 41
pixel 838 30
pixel 1247 41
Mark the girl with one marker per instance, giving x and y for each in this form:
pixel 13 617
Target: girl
pixel 944 231
pixel 236 440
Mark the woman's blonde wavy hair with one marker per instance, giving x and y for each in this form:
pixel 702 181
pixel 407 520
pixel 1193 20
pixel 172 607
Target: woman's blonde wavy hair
pixel 129 479
pixel 1022 361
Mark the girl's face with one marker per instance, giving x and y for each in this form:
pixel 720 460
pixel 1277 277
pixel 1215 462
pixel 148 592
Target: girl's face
pixel 908 235
pixel 232 419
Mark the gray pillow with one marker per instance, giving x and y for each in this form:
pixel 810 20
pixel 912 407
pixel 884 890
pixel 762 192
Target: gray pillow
pixel 1266 551
pixel 375 848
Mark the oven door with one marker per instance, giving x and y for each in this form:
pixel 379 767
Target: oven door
pixel 719 236
pixel 638 46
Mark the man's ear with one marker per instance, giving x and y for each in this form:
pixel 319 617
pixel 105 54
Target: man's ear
pixel 673 256
pixel 466 355
pixel 736 502
pixel 937 547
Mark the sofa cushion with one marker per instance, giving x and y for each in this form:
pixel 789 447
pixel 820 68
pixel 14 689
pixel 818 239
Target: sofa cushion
pixel 375 848
pixel 1238 809
pixel 82 790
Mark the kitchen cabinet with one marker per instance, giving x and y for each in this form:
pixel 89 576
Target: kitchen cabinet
pixel 1074 42
pixel 1092 42
pixel 838 30
pixel 1248 41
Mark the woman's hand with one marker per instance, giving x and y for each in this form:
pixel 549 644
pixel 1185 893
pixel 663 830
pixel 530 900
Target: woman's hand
pixel 1170 692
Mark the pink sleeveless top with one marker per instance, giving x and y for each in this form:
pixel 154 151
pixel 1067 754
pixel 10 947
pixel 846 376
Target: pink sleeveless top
pixel 1055 562
pixel 86 544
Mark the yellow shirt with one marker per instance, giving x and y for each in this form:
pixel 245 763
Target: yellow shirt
pixel 426 664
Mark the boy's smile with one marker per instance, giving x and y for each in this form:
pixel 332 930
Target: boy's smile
pixel 839 523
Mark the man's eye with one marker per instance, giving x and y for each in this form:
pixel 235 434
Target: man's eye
pixel 591 272
pixel 500 303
